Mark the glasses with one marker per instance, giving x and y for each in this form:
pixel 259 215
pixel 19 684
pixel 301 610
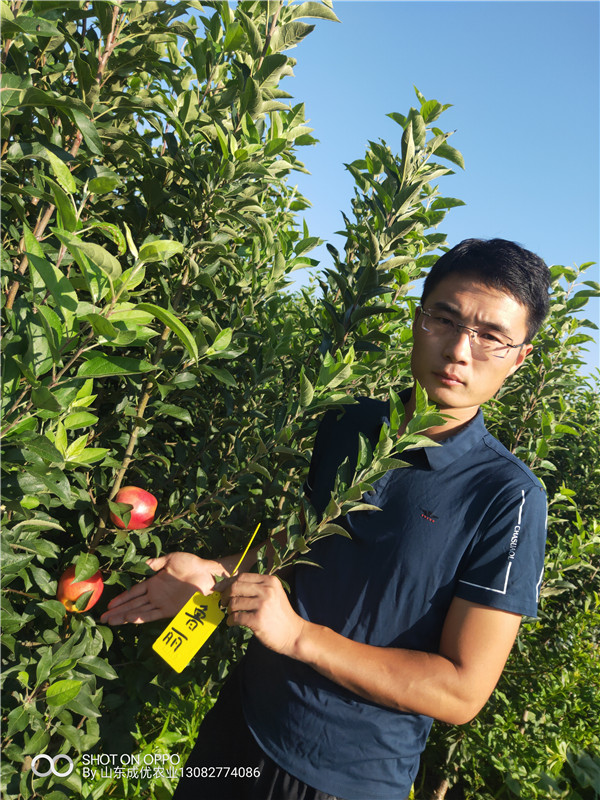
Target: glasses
pixel 484 341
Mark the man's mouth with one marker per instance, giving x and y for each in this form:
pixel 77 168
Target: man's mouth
pixel 448 379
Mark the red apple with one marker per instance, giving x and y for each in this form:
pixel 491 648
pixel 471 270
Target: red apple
pixel 70 590
pixel 144 507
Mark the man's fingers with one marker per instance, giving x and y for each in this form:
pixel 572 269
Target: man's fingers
pixel 246 583
pixel 136 591
pixel 244 619
pixel 244 592
pixel 148 615
pixel 243 603
pixel 136 602
pixel 157 563
pixel 138 614
pixel 245 577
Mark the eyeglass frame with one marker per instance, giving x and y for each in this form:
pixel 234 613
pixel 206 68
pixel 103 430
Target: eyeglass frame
pixel 456 327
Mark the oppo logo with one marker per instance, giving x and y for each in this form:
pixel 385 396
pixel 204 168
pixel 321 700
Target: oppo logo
pixel 51 765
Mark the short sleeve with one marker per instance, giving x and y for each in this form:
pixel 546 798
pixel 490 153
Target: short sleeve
pixel 321 446
pixel 337 439
pixel 505 567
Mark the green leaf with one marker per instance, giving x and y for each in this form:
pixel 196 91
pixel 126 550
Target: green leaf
pixel 98 666
pixel 253 466
pixel 62 692
pixel 58 285
pixel 306 390
pixel 54 609
pixel 41 446
pixel 176 412
pixel 86 566
pixel 83 600
pixel 18 720
pixel 100 257
pixel 67 218
pixel 420 399
pixel 314 10
pixel 221 374
pixel 446 202
pixel 35 481
pixel 159 250
pixel 431 110
pixel 109 366
pixel 254 37
pixel 37 743
pixel 42 580
pixel 363 507
pixel 586 769
pixel 79 419
pixel 171 321
pixel 104 181
pixel 34 26
pixel 275 146
pixel 450 154
pixel 289 35
pixel 222 340
pixel 408 151
pixel 127 312
pixel 251 101
pixel 131 244
pixel 333 378
pixel 87 128
pixel 371 311
pixel 112 232
pixel 331 528
pixel 234 37
pixel 101 325
pixel 566 429
pixel 83 704
pixel 88 455
pixel 61 172
pixel 42 397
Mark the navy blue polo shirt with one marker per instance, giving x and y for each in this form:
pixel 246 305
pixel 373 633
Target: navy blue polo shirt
pixel 465 519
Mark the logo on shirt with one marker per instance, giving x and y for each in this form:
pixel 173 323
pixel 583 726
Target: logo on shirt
pixel 513 542
pixel 428 515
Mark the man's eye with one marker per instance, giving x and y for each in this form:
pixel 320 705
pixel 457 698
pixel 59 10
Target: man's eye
pixel 444 321
pixel 487 336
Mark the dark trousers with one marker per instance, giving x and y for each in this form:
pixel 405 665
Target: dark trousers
pixel 226 763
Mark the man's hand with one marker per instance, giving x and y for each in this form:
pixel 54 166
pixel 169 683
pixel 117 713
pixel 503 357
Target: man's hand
pixel 178 577
pixel 259 602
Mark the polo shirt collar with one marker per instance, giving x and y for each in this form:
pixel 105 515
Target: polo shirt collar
pixel 452 448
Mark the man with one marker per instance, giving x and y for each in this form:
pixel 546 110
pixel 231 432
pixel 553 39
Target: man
pixel 413 617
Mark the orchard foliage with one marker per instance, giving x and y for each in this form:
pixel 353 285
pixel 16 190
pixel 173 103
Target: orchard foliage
pixel 150 227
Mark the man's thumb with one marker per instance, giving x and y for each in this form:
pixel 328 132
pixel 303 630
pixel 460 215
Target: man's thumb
pixel 157 563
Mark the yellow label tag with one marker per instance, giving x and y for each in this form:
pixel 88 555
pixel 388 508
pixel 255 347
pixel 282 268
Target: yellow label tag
pixel 187 632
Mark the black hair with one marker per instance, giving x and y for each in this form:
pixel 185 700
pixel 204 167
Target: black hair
pixel 503 265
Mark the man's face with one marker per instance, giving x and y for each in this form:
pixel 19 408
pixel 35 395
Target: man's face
pixel 444 364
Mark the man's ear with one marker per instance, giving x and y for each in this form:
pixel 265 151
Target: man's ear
pixel 523 353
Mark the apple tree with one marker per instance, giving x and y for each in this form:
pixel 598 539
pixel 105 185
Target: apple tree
pixel 150 225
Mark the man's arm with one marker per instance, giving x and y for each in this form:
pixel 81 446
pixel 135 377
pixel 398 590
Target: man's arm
pixel 451 685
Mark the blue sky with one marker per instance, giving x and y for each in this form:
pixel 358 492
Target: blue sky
pixel 523 81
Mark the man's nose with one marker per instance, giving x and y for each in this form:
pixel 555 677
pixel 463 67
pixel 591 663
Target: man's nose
pixel 458 345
